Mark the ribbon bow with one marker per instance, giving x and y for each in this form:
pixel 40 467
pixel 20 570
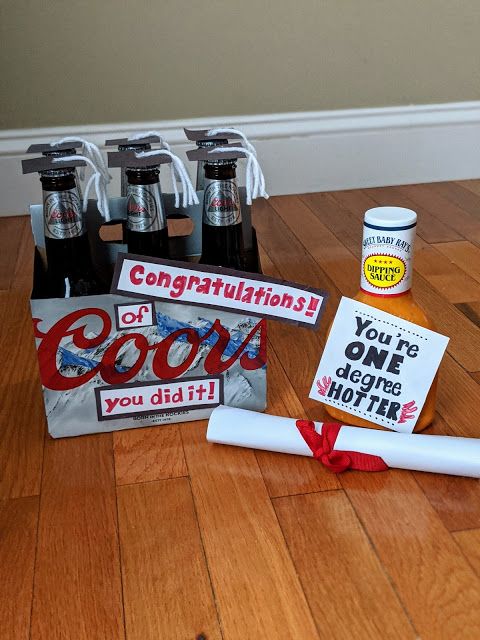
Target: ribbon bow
pixel 322 446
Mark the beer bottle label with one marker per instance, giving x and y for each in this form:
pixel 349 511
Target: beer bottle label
pixel 387 259
pixel 63 218
pixel 221 203
pixel 145 208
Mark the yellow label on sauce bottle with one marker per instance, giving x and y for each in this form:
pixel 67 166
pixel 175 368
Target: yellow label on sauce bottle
pixel 387 250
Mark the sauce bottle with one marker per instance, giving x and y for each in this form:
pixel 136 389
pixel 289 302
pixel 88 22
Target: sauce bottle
pixel 385 283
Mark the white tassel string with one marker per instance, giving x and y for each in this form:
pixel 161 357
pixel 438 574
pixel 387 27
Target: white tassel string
pixel 139 136
pixel 90 150
pixel 98 179
pixel 254 178
pixel 227 130
pixel 189 195
pixel 163 144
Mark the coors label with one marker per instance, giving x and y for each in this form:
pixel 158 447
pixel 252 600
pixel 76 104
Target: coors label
pixel 144 208
pixel 63 217
pixel 221 203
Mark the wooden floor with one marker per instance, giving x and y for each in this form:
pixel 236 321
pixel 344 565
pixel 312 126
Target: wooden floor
pixel 155 534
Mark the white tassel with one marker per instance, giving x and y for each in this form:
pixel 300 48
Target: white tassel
pixel 98 179
pixel 138 136
pixel 189 195
pixel 254 178
pixel 164 145
pixel 90 150
pixel 227 130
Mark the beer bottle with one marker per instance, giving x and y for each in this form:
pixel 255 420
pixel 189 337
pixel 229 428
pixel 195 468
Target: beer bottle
pixel 222 232
pixel 130 146
pixel 146 226
pixel 385 283
pixel 206 144
pixel 70 271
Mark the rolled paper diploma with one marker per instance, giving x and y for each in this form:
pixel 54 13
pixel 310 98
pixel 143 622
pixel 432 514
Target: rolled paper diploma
pixel 437 454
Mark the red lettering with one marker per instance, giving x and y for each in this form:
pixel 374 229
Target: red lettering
pixel 51 340
pixel 137 269
pixel 109 372
pixel 47 351
pixel 214 363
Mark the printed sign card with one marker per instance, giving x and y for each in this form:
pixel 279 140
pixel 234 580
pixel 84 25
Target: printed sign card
pixel 225 289
pixel 148 398
pixel 377 366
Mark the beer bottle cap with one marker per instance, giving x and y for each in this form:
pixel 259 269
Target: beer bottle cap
pixel 219 142
pixel 202 134
pixel 116 142
pixel 390 217
pixel 46 163
pixel 45 148
pixel 130 159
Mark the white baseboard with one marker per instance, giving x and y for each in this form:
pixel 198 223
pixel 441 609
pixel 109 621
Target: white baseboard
pixel 299 152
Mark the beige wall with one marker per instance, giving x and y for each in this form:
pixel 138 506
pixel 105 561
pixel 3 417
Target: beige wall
pixel 92 61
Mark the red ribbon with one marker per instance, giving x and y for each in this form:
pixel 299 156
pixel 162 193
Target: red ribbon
pixel 322 446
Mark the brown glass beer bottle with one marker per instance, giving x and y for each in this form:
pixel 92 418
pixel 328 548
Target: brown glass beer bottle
pixel 222 232
pixel 70 271
pixel 146 225
pixel 206 144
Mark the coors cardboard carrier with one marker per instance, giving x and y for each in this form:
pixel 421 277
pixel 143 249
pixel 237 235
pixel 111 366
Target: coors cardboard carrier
pixel 100 355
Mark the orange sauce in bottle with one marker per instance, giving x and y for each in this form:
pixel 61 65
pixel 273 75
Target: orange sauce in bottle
pixel 387 266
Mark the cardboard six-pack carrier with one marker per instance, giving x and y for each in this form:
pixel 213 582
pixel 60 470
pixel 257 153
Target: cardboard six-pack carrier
pixel 88 344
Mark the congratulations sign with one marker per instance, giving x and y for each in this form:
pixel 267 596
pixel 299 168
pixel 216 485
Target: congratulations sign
pixel 377 366
pixel 219 288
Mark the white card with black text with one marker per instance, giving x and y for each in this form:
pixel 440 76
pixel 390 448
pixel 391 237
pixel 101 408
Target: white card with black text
pixel 377 366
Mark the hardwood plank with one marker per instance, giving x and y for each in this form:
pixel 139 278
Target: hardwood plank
pixel 167 591
pixel 464 254
pixel 471 310
pixel 476 376
pixel 431 576
pixel 470 185
pixel 18 529
pixel 325 248
pixel 446 277
pixel 457 399
pixel 23 274
pixel 333 210
pixel 469 542
pixel 285 474
pixel 464 343
pixel 349 599
pixel 153 453
pixel 77 592
pixel 428 197
pixel 22 416
pixel 290 261
pixel 13 230
pixel 464 198
pixel 429 227
pixel 456 500
pixel 257 591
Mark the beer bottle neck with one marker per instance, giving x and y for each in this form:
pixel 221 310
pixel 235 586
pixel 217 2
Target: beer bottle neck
pixel 221 170
pixel 62 210
pixel 387 259
pixel 58 180
pixel 147 175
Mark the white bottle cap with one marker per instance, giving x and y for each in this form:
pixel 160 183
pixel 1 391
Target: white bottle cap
pixel 390 217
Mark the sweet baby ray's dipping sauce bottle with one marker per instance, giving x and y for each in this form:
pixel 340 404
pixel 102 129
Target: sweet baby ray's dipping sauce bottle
pixel 385 283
